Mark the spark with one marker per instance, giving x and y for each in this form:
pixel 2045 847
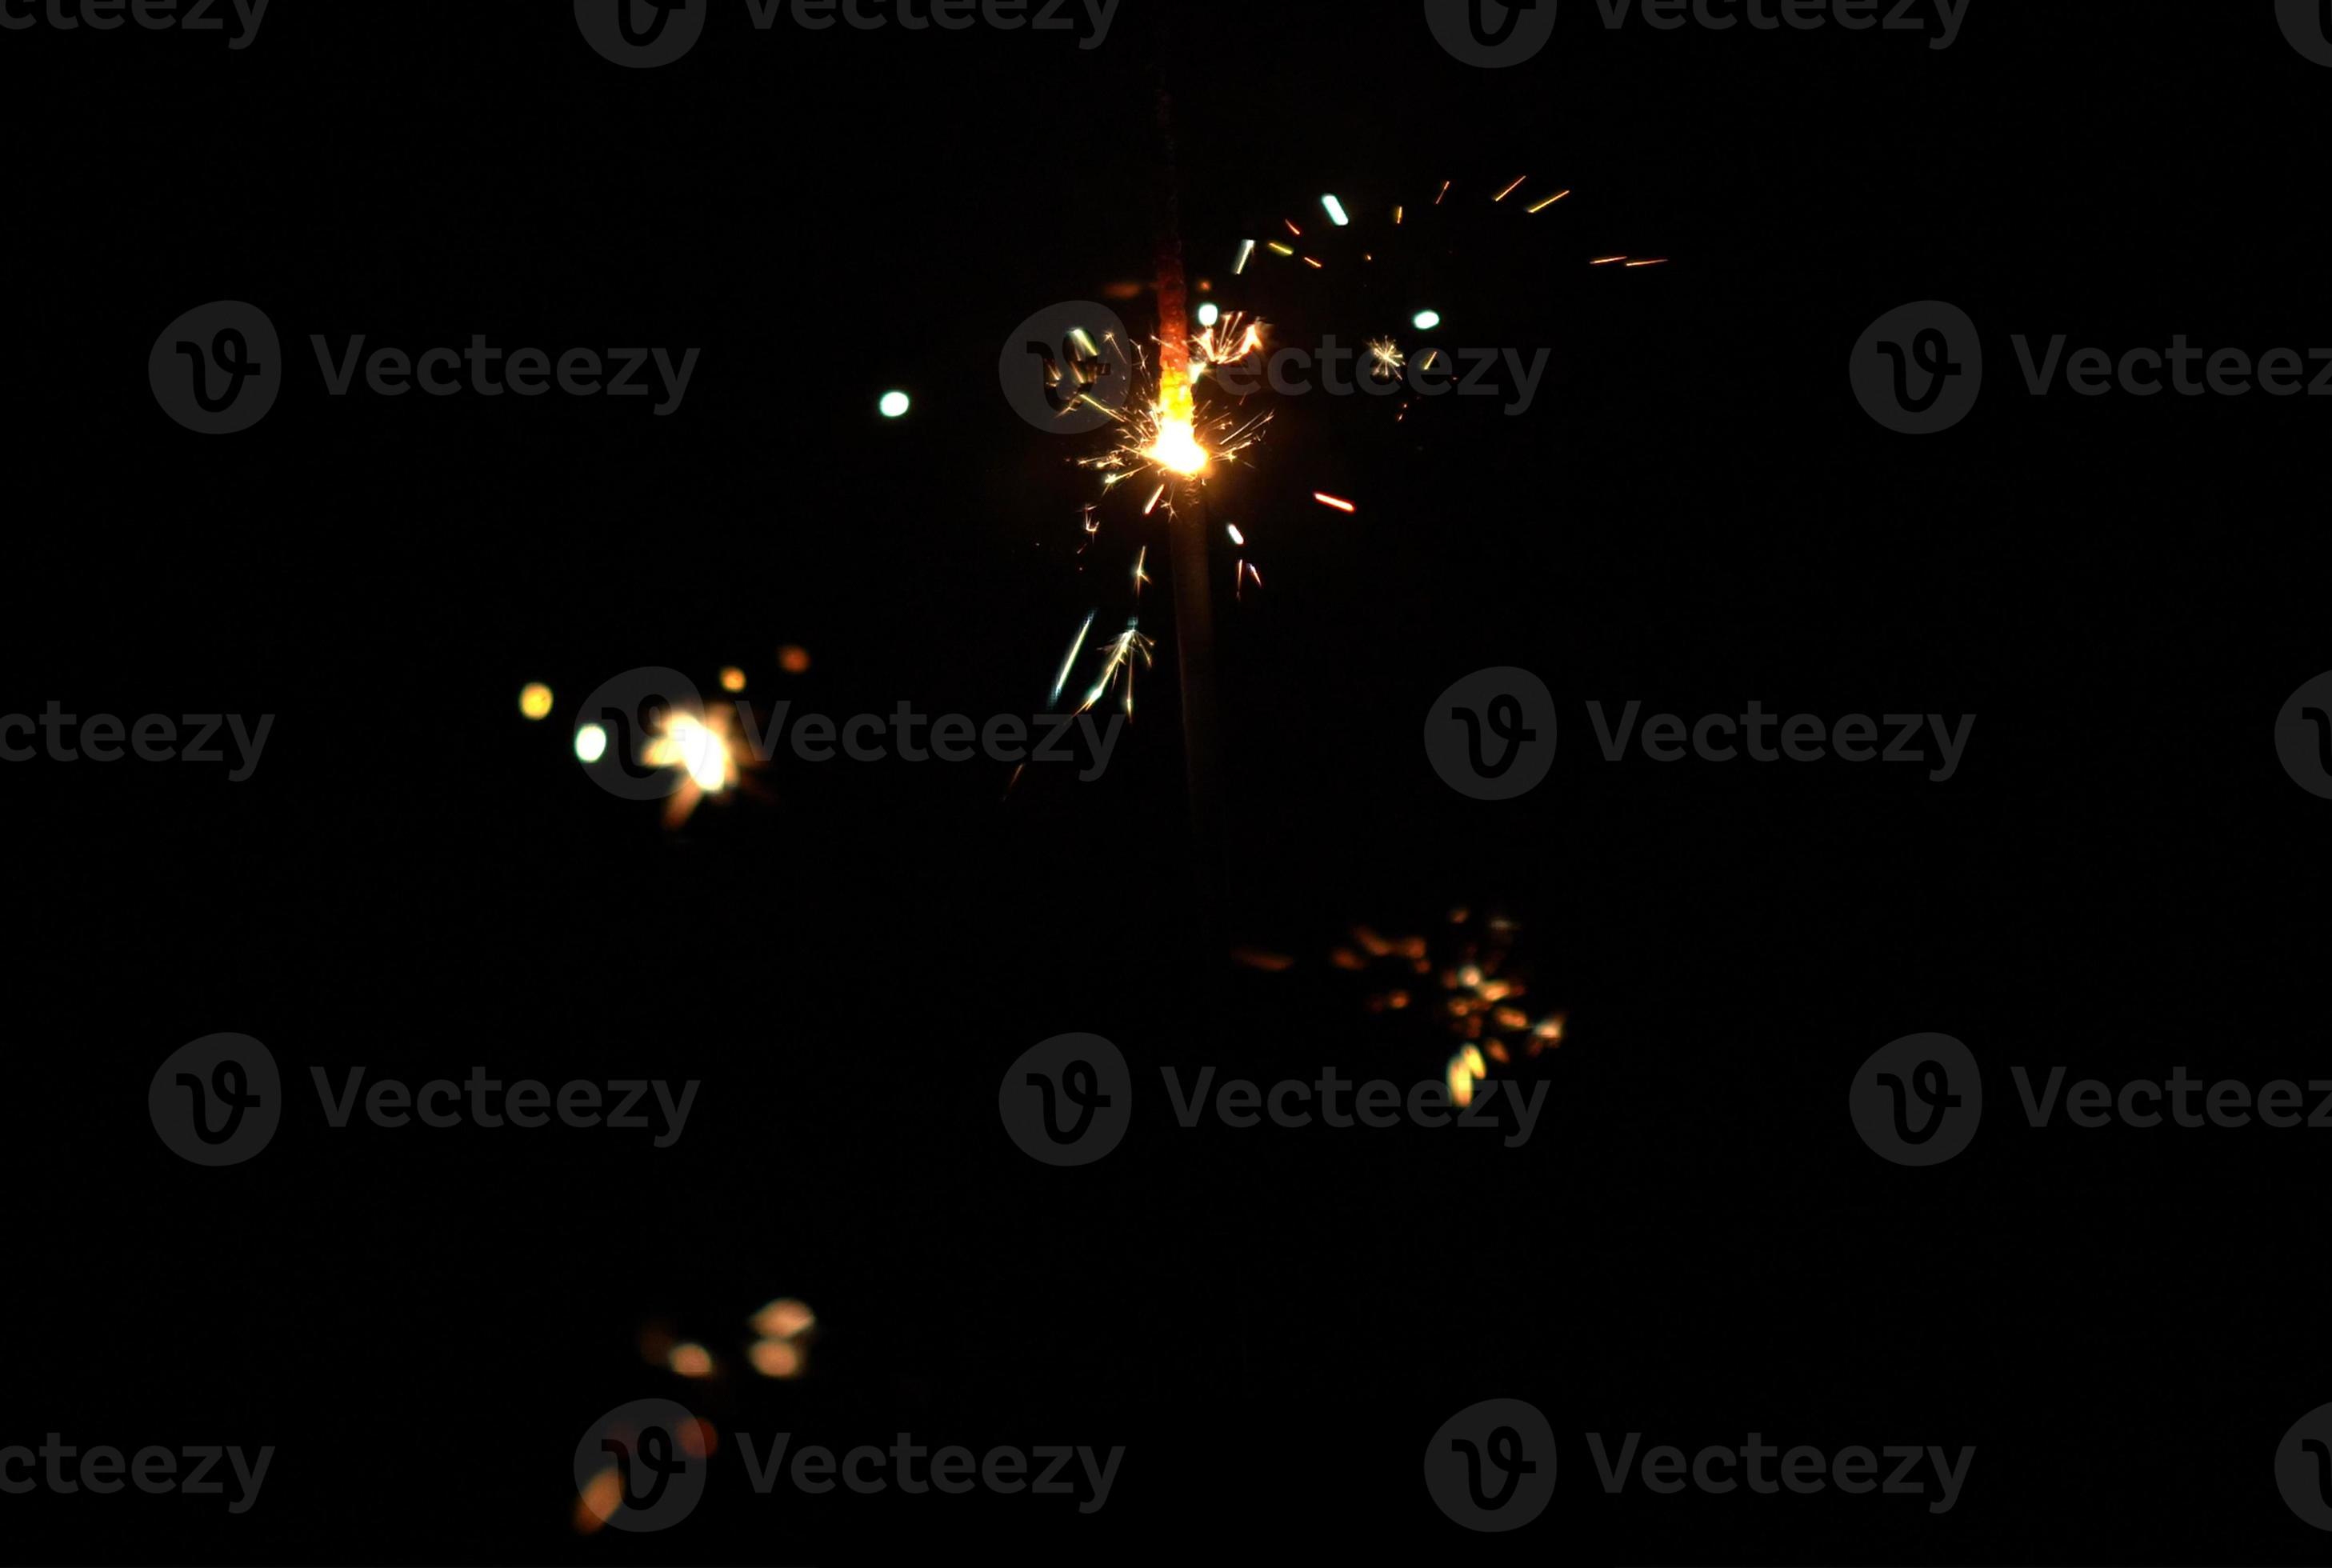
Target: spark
pixel 1510 189
pixel 1443 192
pixel 1605 260
pixel 1549 202
pixel 1655 262
pixel 1140 577
pixel 1124 649
pixel 1385 359
pixel 1075 648
pixel 1236 536
pixel 1246 249
pixel 1292 228
pixel 1337 501
pixel 1335 210
pixel 1282 250
pixel 1466 1068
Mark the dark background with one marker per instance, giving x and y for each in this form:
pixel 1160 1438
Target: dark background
pixel 1695 1245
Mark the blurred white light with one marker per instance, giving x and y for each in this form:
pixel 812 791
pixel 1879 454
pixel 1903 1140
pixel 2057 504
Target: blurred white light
pixel 1208 314
pixel 591 742
pixel 1335 210
pixel 893 404
pixel 1426 321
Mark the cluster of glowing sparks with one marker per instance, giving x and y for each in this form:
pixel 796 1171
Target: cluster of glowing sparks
pixel 778 1349
pixel 1166 438
pixel 1463 982
pixel 703 749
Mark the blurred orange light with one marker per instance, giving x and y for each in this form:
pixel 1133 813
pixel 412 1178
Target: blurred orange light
pixel 775 1358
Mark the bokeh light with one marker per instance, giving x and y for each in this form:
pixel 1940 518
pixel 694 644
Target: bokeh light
pixel 894 405
pixel 793 659
pixel 534 700
pixel 732 679
pixel 591 742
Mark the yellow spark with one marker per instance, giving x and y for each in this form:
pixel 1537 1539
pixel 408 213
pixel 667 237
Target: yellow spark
pixel 1465 1069
pixel 1656 260
pixel 1510 189
pixel 1604 261
pixel 784 1318
pixel 1337 501
pixel 1283 249
pixel 1549 202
